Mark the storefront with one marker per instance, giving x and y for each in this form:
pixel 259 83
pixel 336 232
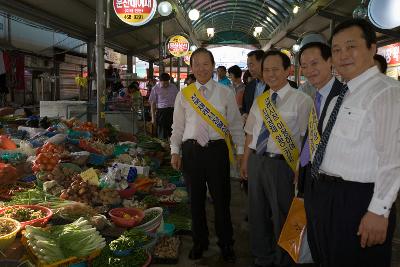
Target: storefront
pixel 392 55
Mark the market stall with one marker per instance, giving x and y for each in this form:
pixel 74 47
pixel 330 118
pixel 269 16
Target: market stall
pixel 72 193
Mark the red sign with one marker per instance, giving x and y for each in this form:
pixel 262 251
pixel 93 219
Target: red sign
pixel 135 12
pixel 391 53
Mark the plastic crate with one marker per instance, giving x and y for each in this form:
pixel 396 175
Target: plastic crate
pixel 72 261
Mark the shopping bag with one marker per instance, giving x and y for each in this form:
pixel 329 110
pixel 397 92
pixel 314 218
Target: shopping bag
pixel 293 236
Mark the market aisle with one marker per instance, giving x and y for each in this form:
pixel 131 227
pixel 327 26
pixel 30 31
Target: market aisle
pixel 211 257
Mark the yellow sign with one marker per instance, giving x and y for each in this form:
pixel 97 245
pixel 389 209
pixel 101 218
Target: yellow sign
pixel 313 134
pixel 187 57
pixel 178 46
pixel 90 176
pixel 135 12
pixel 278 130
pixel 210 115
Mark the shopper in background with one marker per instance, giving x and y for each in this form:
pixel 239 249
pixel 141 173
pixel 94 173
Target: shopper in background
pixel 380 62
pixel 222 79
pixel 162 98
pixel 205 152
pixel 356 167
pixel 247 78
pixel 235 74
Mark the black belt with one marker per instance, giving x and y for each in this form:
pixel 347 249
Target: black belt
pixel 210 143
pixel 270 155
pixel 328 178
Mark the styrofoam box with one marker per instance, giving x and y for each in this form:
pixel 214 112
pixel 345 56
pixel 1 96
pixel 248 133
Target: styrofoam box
pixel 61 108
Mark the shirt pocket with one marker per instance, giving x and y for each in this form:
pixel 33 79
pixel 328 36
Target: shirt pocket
pixel 349 123
pixel 290 119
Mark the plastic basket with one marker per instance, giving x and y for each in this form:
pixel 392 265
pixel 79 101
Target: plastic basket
pixel 36 222
pixel 72 261
pixel 7 240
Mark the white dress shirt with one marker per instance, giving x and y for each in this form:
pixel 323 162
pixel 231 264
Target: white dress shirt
pixel 294 108
pixel 186 119
pixel 364 145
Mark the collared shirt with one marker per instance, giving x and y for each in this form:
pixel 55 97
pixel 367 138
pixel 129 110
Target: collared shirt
pixel 364 145
pixel 324 91
pixel 308 89
pixel 225 81
pixel 163 97
pixel 294 108
pixel 260 86
pixel 186 119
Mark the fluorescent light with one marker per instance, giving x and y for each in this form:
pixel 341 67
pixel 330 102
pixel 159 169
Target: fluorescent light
pixel 194 14
pixel 296 9
pixel 273 11
pixel 269 19
pixel 193 48
pixel 296 48
pixel 210 32
pixel 258 29
pixel 164 8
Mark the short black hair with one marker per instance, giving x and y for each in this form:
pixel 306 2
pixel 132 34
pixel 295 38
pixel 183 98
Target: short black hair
pixel 258 53
pixel 192 77
pixel 235 71
pixel 202 50
pixel 323 48
pixel 285 59
pixel 368 31
pixel 382 62
pixel 165 77
pixel 221 68
pixel 134 85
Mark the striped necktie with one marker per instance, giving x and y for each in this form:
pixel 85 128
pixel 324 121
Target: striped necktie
pixel 262 140
pixel 319 154
pixel 202 129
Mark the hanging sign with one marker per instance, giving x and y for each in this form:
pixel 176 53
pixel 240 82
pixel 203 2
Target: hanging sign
pixel 135 12
pixel 178 46
pixel 187 58
pixel 391 54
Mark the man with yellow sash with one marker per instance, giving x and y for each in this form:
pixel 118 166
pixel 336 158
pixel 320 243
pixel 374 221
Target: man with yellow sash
pixel 276 123
pixel 316 65
pixel 207 127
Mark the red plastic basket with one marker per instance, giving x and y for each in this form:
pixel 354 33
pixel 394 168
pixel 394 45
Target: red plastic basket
pixel 117 216
pixel 36 222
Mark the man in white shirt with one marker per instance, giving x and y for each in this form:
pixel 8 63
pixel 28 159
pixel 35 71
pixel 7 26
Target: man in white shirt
pixel 205 158
pixel 316 64
pixel 356 167
pixel 270 178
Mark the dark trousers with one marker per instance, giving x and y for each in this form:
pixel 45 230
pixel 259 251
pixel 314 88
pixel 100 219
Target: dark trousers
pixel 334 211
pixel 164 119
pixel 208 165
pixel 271 191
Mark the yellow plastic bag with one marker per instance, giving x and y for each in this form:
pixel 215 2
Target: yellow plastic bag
pixel 293 236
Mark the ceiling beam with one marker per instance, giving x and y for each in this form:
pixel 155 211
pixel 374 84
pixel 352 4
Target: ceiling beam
pixel 131 29
pixel 340 18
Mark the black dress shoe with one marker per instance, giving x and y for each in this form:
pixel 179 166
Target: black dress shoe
pixel 228 254
pixel 197 252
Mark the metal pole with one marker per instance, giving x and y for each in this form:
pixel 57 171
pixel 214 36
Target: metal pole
pixel 151 70
pixel 129 62
pixel 100 79
pixel 170 66
pixel 331 27
pixel 178 78
pixel 161 49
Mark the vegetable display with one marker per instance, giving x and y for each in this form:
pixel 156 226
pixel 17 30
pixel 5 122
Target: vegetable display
pixel 22 214
pixel 6 227
pixel 107 258
pixel 78 239
pixel 167 248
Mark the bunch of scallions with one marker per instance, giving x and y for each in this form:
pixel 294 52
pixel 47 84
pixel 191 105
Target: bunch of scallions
pixel 55 243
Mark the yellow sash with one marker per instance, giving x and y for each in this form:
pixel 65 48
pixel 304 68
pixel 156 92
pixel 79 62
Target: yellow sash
pixel 313 135
pixel 210 115
pixel 278 130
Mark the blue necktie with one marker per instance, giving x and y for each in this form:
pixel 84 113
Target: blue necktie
pixel 305 153
pixel 262 140
pixel 319 154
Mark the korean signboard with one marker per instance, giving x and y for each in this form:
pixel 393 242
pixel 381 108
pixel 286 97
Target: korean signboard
pixel 391 53
pixel 135 12
pixel 178 46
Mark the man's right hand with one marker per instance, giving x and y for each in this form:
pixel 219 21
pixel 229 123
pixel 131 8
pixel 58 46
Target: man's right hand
pixel 176 161
pixel 243 168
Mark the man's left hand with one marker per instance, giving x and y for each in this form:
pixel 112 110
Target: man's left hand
pixel 372 229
